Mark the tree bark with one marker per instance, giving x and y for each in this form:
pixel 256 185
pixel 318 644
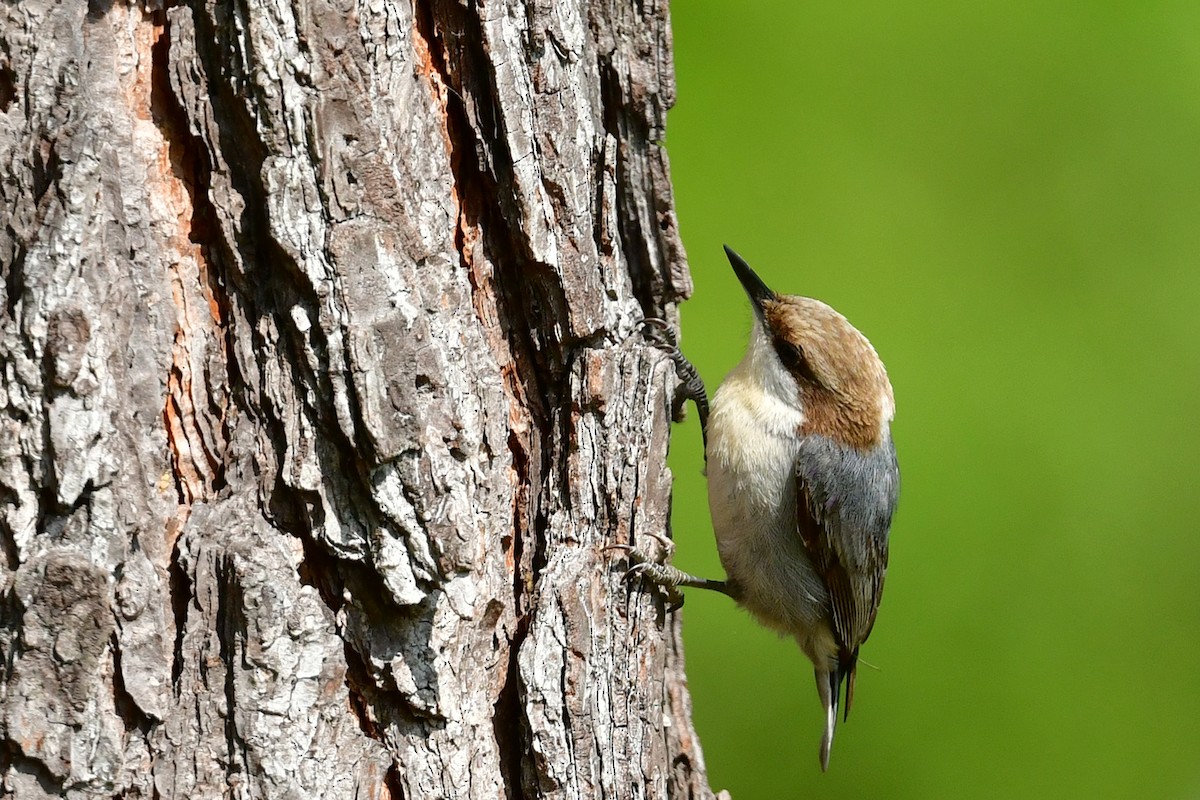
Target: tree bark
pixel 321 400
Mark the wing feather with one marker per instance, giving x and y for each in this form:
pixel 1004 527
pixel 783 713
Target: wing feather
pixel 845 499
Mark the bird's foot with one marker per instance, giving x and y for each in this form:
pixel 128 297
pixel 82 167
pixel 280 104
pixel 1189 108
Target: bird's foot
pixel 661 336
pixel 656 569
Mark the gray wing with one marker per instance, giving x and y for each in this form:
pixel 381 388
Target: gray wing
pixel 845 499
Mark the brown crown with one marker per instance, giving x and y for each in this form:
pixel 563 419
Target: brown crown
pixel 843 384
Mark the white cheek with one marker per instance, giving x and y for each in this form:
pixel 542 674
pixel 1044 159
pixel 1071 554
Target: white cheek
pixel 762 386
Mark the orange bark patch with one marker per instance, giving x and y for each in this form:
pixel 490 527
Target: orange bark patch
pixel 160 131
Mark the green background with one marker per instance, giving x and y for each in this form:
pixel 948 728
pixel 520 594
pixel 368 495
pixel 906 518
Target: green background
pixel 1005 197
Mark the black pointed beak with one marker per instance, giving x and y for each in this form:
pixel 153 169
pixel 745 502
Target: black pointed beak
pixel 757 290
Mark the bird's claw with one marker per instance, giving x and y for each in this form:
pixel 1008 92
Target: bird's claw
pixel 662 337
pixel 655 568
pixel 660 334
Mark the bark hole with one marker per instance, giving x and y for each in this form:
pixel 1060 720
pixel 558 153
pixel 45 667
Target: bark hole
pixel 8 87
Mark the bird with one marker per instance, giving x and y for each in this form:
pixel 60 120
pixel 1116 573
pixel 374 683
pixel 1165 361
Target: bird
pixel 803 483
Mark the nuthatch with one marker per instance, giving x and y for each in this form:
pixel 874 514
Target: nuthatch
pixel 802 482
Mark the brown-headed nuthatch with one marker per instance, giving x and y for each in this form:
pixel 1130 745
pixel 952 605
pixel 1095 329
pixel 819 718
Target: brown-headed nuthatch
pixel 802 482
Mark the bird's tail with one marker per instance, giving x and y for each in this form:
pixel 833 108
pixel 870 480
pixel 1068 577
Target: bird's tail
pixel 847 670
pixel 829 688
pixel 828 685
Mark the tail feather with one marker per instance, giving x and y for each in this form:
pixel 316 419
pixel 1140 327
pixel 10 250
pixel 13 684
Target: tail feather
pixel 828 685
pixel 829 688
pixel 848 674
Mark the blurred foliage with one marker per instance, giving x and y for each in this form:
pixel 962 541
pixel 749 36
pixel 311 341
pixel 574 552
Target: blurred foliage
pixel 1005 197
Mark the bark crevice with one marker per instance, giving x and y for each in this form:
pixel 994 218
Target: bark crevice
pixel 8 87
pixel 196 445
pixel 330 467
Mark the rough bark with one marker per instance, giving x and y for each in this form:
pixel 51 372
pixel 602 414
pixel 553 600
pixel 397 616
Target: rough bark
pixel 319 400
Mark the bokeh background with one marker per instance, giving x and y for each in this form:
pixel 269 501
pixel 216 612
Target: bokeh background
pixel 1005 197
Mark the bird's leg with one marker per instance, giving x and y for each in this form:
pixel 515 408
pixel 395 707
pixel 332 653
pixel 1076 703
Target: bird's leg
pixel 659 572
pixel 662 337
pixel 656 569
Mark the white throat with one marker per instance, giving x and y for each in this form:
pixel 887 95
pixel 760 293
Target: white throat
pixel 761 391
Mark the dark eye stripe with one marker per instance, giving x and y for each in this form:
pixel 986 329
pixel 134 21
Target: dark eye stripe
pixel 792 357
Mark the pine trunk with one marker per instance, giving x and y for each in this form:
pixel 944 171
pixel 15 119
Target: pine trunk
pixel 320 400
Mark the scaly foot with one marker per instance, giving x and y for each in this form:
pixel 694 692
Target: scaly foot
pixel 656 570
pixel 662 337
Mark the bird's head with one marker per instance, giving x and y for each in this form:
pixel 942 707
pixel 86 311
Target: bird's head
pixel 815 360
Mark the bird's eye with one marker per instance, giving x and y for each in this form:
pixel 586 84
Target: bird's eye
pixel 792 357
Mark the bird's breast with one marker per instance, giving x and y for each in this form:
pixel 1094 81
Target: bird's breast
pixel 752 448
pixel 752 444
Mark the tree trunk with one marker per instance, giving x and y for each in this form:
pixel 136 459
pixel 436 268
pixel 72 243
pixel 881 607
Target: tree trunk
pixel 321 400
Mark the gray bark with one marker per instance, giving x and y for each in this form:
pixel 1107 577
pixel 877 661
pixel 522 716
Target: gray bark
pixel 319 400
